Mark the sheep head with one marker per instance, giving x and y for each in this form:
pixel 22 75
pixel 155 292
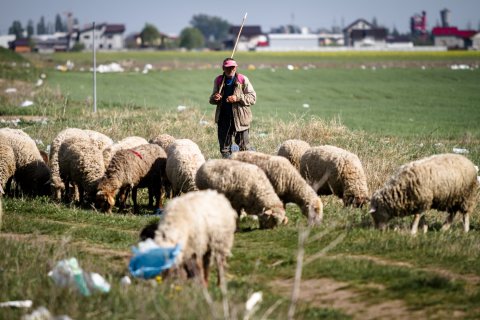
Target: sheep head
pixel 379 214
pixel 105 201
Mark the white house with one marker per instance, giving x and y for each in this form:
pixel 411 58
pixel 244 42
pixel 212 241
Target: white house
pixel 476 41
pixel 5 39
pixel 362 33
pixel 107 37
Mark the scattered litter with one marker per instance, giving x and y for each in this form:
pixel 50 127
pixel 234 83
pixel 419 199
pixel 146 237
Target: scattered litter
pixel 306 105
pixel 363 67
pixel 460 150
pixel 262 134
pixel 255 298
pixel 26 103
pixel 181 108
pixel 149 259
pixel 42 313
pixel 145 71
pixel 15 122
pixel 61 68
pixel 203 122
pixel 421 145
pixel 251 67
pixel 423 68
pixel 68 273
pixel 273 70
pixel 47 149
pixel 112 67
pixel 43 76
pixel 438 145
pixel 459 67
pixel 39 83
pixel 290 67
pixel 10 90
pixel 17 304
pixel 125 281
pixel 136 69
pixel 374 68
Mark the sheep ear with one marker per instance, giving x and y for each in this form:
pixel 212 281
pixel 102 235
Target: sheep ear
pixel 372 210
pixel 111 201
pixel 269 211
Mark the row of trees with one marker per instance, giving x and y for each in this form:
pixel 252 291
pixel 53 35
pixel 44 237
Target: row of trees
pixel 41 28
pixel 205 31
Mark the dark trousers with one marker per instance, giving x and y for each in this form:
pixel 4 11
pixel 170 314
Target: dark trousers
pixel 226 130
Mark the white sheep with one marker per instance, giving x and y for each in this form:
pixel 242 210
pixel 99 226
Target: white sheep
pixel 203 223
pixel 100 141
pixel 140 167
pixel 332 170
pixel 287 182
pixel 126 143
pixel 246 186
pixel 7 164
pixel 82 166
pixel 293 150
pixel 31 172
pixel 445 182
pixel 183 160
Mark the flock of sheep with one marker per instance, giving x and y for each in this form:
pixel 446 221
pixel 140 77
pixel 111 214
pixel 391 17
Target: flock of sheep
pixel 208 197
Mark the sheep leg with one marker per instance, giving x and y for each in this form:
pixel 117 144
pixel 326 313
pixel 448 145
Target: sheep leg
pixel 134 199
pixel 416 220
pixel 151 195
pixel 206 266
pixel 466 222
pixel 448 222
pixel 220 259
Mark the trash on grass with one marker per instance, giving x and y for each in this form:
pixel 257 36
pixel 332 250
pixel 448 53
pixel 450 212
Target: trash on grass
pixel 26 103
pixel 181 108
pixel 460 150
pixel 10 90
pixel 17 304
pixel 149 259
pixel 125 281
pixel 42 313
pixel 255 298
pixel 68 272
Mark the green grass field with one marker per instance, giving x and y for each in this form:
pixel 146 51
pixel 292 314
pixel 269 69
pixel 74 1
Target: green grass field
pixel 387 116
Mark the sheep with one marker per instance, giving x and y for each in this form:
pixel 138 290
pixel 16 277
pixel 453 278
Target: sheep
pixel 287 182
pixel 7 164
pixel 31 172
pixel 163 140
pixel 183 160
pixel 140 167
pixel 246 186
pixel 100 141
pixel 332 170
pixel 126 143
pixel 203 223
pixel 81 165
pixel 293 150
pixel 445 182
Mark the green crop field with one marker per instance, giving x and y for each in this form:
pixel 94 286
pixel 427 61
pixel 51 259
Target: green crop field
pixel 388 108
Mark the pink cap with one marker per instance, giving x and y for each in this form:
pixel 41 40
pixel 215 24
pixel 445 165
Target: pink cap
pixel 229 63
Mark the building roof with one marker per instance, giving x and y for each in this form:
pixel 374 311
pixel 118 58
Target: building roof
pixel 351 25
pixel 248 31
pixel 452 32
pixel 109 28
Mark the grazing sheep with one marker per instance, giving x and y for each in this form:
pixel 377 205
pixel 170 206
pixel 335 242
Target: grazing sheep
pixel 7 164
pixel 183 160
pixel 287 182
pixel 100 141
pixel 32 173
pixel 293 150
pixel 126 143
pixel 445 182
pixel 203 223
pixel 82 166
pixel 246 186
pixel 163 140
pixel 140 167
pixel 332 170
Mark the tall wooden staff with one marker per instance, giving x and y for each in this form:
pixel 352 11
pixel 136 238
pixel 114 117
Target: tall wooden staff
pixel 234 48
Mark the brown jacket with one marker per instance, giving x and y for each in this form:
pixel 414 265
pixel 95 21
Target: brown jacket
pixel 246 96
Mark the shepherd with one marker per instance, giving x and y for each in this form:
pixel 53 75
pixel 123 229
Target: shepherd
pixel 233 94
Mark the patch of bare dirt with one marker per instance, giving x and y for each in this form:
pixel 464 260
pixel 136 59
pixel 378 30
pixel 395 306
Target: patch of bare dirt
pixel 328 293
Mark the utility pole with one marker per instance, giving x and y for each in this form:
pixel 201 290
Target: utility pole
pixel 94 72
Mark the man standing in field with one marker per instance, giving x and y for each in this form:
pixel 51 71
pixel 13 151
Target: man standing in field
pixel 233 94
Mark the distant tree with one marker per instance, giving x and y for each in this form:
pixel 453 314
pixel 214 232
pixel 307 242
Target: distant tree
pixel 150 36
pixel 59 25
pixel 16 29
pixel 214 29
pixel 77 47
pixel 191 38
pixel 30 29
pixel 41 28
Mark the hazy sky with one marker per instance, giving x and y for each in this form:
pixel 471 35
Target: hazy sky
pixel 172 16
